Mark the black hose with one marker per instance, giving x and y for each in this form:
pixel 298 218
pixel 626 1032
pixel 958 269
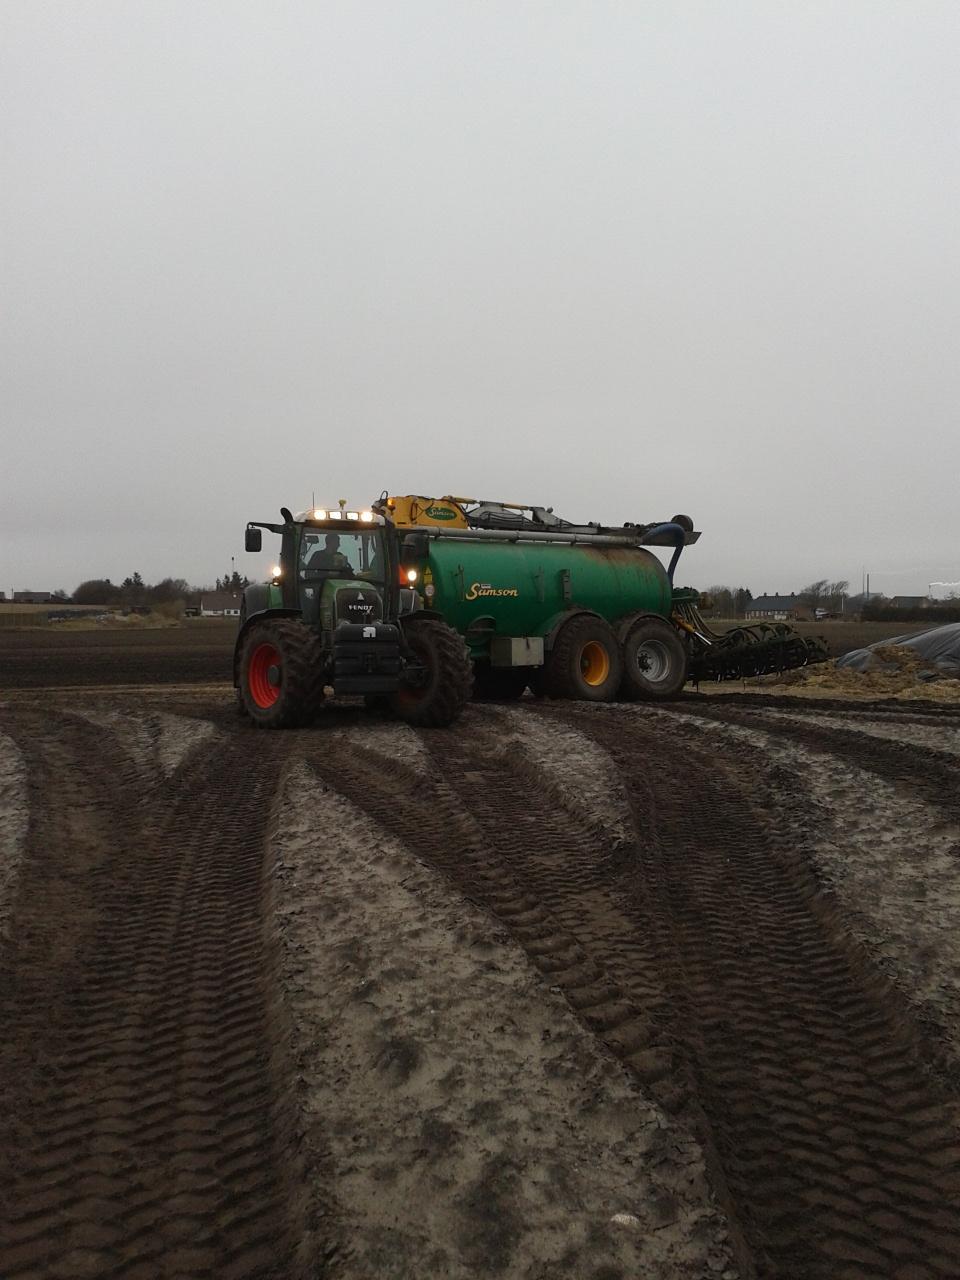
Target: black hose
pixel 679 535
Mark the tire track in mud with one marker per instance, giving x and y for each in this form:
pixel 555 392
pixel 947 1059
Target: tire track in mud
pixel 476 817
pixel 145 1133
pixel 938 737
pixel 148 1128
pixel 930 773
pixel 914 708
pixel 700 956
pixel 886 860
pixel 841 1152
pixel 13 822
pixel 430 817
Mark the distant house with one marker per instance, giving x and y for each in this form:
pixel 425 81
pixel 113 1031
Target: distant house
pixel 909 602
pixel 777 608
pixel 32 597
pixel 220 604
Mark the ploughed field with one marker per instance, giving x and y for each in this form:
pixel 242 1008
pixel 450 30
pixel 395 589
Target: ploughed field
pixel 562 991
pixel 56 655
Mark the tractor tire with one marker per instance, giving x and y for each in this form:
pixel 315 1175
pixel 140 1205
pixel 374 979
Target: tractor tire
pixel 584 662
pixel 281 686
pixel 654 661
pixel 499 684
pixel 440 686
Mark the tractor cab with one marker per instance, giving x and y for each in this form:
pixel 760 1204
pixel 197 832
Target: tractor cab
pixel 334 566
pixel 343 572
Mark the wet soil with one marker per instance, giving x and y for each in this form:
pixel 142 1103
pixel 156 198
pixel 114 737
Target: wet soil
pixel 236 966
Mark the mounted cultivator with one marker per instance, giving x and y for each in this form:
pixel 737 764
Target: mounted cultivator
pixel 759 649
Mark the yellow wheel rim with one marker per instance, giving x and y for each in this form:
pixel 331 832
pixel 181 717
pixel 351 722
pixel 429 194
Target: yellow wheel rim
pixel 594 663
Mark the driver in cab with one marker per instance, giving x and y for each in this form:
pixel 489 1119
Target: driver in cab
pixel 331 557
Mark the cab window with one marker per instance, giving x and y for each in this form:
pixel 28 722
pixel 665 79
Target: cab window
pixel 331 552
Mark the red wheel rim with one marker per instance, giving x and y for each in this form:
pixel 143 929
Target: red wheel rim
pixel 262 659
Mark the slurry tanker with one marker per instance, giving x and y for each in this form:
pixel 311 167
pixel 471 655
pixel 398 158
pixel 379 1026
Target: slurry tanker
pixel 572 611
pixel 413 601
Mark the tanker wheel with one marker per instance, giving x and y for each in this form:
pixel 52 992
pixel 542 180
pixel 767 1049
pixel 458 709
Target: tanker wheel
pixel 499 684
pixel 436 685
pixel 654 661
pixel 584 662
pixel 280 682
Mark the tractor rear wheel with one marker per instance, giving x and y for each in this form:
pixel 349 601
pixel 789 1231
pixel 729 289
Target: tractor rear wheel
pixel 436 687
pixel 654 661
pixel 280 682
pixel 584 662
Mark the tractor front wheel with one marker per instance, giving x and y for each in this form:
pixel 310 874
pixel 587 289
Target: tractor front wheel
pixel 584 662
pixel 280 680
pixel 436 685
pixel 654 661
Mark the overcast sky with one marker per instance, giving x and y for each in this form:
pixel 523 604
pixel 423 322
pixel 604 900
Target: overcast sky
pixel 625 259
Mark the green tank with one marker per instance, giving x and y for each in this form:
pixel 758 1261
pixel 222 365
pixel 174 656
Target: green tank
pixel 572 610
pixel 526 588
pixel 566 610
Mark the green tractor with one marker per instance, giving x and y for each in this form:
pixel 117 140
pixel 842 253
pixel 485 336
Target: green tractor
pixel 341 612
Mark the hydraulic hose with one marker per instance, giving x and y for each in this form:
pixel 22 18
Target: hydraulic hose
pixel 670 529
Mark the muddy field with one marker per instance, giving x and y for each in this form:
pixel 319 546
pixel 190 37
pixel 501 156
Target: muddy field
pixel 565 991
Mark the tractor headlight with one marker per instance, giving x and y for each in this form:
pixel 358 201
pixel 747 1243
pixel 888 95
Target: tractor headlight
pixel 276 571
pixel 366 516
pixel 320 514
pixel 412 575
pixel 353 515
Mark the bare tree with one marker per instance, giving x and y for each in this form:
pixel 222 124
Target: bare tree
pixel 813 594
pixel 824 594
pixel 721 601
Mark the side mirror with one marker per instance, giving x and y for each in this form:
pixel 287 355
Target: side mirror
pixel 415 546
pixel 253 539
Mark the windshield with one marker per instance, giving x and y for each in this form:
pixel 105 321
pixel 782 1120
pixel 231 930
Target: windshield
pixel 342 555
